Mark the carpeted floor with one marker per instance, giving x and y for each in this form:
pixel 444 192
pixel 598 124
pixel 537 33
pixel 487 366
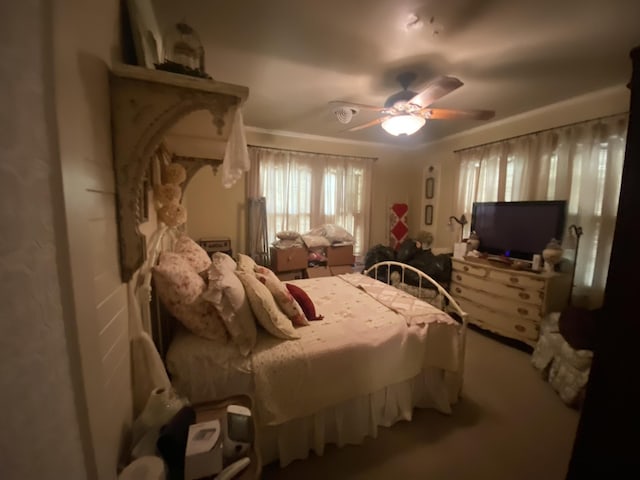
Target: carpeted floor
pixel 510 425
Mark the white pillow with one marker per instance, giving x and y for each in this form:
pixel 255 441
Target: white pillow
pixel 180 289
pixel 192 253
pixel 226 292
pixel 246 263
pixel 265 308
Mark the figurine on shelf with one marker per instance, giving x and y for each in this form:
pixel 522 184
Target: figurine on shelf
pixel 183 52
pixel 552 255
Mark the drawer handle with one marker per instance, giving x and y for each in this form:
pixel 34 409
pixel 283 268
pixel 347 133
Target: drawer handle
pixel 514 279
pixel 465 268
pixel 520 328
pixel 524 295
pixel 458 277
pixel 458 290
pixel 523 311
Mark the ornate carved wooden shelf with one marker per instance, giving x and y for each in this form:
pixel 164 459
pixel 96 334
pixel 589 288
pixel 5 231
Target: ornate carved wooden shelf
pixel 145 104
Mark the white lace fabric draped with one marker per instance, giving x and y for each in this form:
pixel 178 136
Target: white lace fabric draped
pixel 304 190
pixel 580 163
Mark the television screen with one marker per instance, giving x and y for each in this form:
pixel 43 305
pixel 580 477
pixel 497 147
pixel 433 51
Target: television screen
pixel 518 229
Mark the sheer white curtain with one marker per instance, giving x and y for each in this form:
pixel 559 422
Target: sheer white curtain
pixel 579 163
pixel 305 190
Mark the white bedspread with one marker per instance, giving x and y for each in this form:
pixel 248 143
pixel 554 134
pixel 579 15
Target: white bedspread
pixel 372 335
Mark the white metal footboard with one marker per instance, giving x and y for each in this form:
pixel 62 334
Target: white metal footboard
pixel 425 281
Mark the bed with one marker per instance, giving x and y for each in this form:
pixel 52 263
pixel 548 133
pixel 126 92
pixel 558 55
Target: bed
pixel 377 354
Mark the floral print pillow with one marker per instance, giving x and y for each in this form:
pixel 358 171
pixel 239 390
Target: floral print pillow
pixel 180 290
pixel 282 296
pixel 192 253
pixel 265 309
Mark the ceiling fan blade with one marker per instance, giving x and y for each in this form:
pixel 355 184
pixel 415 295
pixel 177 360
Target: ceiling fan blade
pixel 448 114
pixel 436 89
pixel 377 121
pixel 357 105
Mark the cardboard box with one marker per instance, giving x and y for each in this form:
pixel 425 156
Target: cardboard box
pixel 287 259
pixel 340 255
pixel 203 455
pixel 315 272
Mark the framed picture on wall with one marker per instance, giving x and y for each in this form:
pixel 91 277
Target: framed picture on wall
pixel 429 186
pixel 428 214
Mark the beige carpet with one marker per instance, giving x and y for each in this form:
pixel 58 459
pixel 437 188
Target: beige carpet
pixel 510 425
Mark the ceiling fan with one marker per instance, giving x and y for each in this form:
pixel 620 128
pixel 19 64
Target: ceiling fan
pixel 406 112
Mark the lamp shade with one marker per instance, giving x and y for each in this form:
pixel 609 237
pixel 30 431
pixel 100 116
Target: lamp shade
pixel 403 124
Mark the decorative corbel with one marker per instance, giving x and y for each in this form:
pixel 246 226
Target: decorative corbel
pixel 145 104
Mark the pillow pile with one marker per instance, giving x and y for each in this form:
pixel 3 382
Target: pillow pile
pixel 217 298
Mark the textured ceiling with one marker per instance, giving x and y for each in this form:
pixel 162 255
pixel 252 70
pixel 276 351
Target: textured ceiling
pixel 512 55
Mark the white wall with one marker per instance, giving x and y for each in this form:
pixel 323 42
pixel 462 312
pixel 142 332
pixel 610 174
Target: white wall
pixel 86 41
pixel 43 426
pixel 605 102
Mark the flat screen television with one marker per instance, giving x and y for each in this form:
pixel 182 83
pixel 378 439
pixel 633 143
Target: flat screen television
pixel 518 229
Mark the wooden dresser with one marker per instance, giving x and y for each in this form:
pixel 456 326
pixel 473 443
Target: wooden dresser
pixel 506 301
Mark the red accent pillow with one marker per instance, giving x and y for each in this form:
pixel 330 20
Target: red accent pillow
pixel 304 301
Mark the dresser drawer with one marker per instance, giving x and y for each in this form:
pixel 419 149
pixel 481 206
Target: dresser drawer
pixel 516 293
pixel 508 326
pixel 506 306
pixel 476 270
pixel 286 259
pixel 517 279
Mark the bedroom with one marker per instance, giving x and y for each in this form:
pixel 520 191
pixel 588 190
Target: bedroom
pixel 84 339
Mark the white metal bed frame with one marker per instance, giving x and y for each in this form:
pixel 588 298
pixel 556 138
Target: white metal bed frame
pixel 450 306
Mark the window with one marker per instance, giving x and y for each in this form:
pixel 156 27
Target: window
pixel 305 190
pixel 580 163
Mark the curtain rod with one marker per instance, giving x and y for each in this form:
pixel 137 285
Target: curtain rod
pixel 313 153
pixel 540 131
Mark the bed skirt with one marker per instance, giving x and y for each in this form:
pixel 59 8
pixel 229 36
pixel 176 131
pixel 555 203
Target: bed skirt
pixel 350 422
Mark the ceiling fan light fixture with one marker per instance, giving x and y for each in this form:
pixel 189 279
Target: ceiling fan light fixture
pixel 403 124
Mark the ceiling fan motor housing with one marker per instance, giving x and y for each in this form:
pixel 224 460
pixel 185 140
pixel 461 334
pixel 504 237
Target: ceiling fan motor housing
pixel 401 97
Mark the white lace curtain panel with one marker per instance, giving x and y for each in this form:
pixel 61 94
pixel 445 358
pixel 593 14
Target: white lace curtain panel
pixel 304 190
pixel 580 163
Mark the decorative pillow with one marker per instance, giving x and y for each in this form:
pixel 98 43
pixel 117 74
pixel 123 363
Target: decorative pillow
pixel 192 253
pixel 246 263
pixel 226 293
pixel 304 301
pixel 180 289
pixel 282 296
pixel 265 308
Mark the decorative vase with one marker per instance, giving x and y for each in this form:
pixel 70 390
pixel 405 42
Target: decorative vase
pixel 552 255
pixel 473 242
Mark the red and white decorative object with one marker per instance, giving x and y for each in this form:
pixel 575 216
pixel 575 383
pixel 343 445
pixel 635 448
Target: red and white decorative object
pixel 398 228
